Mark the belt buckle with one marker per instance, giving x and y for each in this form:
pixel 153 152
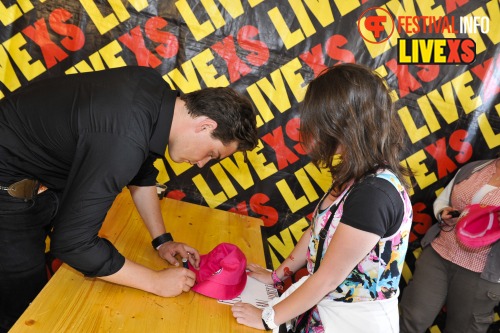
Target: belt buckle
pixel 24 189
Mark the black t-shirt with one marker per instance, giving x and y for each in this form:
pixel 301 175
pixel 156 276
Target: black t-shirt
pixel 375 206
pixel 87 136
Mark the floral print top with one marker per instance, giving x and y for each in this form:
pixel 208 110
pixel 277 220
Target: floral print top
pixel 377 276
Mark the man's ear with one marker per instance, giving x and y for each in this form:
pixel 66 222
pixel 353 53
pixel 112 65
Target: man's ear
pixel 206 124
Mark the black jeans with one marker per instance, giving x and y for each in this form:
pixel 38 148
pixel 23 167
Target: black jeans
pixel 24 226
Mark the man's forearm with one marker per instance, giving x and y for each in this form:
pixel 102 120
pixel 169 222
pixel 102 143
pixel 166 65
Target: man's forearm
pixel 135 276
pixel 166 283
pixel 148 205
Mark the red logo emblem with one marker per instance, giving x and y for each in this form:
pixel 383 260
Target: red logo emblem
pixel 376 25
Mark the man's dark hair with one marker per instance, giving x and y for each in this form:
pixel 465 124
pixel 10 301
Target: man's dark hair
pixel 234 114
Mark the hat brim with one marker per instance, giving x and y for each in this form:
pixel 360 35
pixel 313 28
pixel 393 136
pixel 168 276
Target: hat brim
pixel 479 227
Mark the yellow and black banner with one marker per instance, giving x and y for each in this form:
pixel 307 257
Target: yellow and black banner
pixel 441 58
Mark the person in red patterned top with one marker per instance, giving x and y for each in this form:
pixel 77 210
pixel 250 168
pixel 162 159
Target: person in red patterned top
pixel 466 280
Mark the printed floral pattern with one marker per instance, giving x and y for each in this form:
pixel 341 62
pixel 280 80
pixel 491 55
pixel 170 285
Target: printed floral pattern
pixel 377 276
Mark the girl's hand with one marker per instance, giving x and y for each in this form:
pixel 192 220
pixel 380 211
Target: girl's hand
pixel 260 273
pixel 248 315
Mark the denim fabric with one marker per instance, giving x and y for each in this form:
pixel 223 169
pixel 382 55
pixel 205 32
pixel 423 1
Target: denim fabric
pixel 24 226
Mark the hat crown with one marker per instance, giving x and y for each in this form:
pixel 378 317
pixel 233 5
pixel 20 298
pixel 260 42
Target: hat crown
pixel 222 272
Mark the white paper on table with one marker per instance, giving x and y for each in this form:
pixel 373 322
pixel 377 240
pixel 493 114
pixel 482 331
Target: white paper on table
pixel 256 293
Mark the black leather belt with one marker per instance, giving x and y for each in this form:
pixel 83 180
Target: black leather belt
pixel 24 189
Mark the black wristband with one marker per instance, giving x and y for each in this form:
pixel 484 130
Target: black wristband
pixel 265 325
pixel 166 237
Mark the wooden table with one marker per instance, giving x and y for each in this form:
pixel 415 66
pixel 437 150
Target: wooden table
pixel 73 303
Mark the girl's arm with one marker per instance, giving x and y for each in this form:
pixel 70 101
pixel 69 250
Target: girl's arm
pixel 295 261
pixel 347 248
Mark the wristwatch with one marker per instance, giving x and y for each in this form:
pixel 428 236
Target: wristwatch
pixel 160 240
pixel 268 318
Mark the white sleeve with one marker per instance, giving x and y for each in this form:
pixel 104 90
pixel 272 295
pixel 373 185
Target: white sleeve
pixel 443 200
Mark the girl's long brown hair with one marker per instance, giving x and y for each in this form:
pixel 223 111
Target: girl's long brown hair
pixel 349 106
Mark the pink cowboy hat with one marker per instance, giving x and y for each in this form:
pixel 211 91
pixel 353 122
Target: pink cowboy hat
pixel 479 225
pixel 222 273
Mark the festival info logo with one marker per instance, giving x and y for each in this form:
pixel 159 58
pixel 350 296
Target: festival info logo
pixel 376 25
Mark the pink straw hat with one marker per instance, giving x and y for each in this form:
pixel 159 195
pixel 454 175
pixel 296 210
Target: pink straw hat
pixel 479 225
pixel 222 273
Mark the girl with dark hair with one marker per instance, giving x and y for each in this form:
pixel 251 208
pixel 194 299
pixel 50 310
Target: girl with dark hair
pixel 356 245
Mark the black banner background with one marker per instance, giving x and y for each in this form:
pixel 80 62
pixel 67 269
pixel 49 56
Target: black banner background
pixel 269 50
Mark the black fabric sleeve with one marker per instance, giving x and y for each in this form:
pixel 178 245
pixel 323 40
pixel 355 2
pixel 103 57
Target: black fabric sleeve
pixel 102 166
pixel 147 174
pixel 374 206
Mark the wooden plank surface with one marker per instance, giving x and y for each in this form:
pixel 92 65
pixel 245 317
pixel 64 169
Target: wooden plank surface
pixel 73 303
